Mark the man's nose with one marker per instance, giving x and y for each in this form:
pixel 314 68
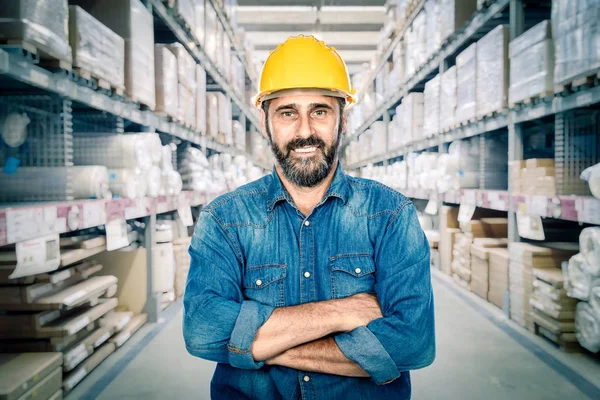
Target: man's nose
pixel 305 128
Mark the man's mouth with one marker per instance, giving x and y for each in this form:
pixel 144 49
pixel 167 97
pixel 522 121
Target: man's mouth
pixel 306 149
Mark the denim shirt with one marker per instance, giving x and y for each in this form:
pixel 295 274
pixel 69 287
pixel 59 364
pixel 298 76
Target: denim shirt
pixel 253 251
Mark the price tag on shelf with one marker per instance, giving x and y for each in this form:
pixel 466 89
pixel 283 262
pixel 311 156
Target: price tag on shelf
pixel 93 214
pixel 185 214
pixel 465 212
pixel 469 197
pixel 116 234
pixel 588 210
pixel 530 226
pixel 583 99
pixel 37 256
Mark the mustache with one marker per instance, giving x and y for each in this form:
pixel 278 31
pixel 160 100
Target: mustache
pixel 305 142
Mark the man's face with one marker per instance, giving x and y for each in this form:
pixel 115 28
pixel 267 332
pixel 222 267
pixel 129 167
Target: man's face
pixel 305 131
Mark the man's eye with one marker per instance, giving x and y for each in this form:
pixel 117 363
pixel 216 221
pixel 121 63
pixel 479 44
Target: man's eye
pixel 287 114
pixel 321 113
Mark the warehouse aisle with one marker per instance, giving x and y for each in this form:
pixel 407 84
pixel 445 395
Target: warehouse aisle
pixel 480 355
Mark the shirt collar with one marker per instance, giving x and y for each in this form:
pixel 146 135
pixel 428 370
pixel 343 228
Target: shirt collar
pixel 339 188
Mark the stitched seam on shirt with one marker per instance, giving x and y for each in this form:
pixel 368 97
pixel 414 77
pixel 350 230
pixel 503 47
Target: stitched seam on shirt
pixel 238 251
pixel 398 212
pixel 232 348
pixel 228 197
pixel 256 226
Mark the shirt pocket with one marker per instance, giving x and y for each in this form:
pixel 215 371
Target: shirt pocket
pixel 265 284
pixel 352 274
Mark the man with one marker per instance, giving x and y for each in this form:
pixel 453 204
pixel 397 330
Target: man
pixel 308 283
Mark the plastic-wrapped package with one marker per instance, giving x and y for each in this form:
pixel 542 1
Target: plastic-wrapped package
pixel 225 119
pixel 200 99
pixel 492 71
pixel 399 63
pixel 587 327
pixel 589 244
pixel 453 14
pixel 131 20
pixel 186 66
pixel 96 49
pixel 187 11
pixel 575 30
pixel 41 23
pixel 210 40
pixel 412 116
pixel 227 58
pixel 154 145
pixel 219 56
pixel 153 177
pixel 431 105
pixel 432 26
pixel 167 95
pixel 448 104
pixel 187 105
pixel 55 184
pixel 199 13
pixel 595 296
pixel 212 114
pixel 127 182
pixel 116 151
pixel 531 64
pixel 592 176
pixel 13 129
pixel 378 139
pixel 163 267
pixel 239 135
pixel 171 183
pixel 466 83
pixel 579 279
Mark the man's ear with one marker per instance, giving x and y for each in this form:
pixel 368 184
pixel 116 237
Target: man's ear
pixel 263 123
pixel 344 122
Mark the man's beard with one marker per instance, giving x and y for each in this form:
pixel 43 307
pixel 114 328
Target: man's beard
pixel 306 171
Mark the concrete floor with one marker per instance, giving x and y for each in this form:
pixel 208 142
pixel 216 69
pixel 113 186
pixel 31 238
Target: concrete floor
pixel 480 355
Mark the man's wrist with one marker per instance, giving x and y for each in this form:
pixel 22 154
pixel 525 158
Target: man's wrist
pixel 338 316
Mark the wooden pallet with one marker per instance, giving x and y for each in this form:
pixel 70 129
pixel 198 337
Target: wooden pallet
pixel 536 99
pixel 38 55
pixel 467 122
pixel 567 342
pixel 99 83
pixel 584 82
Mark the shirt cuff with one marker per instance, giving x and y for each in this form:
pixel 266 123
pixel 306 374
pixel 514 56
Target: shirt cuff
pixel 251 317
pixel 363 347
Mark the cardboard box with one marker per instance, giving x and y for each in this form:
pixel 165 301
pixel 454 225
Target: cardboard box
pixel 495 227
pixel 133 326
pixel 539 162
pixel 447 242
pixel 76 376
pixel 201 99
pixel 167 95
pixel 19 373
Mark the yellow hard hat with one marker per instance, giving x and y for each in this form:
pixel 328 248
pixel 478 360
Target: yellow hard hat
pixel 303 62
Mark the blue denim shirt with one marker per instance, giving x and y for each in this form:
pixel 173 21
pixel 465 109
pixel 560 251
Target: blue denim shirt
pixel 250 251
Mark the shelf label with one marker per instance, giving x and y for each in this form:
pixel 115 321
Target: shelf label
pixel 530 226
pixel 432 207
pixel 185 214
pixel 94 214
pixel 116 234
pixel 37 256
pixel 583 99
pixel 137 211
pixel 588 210
pixel 26 224
pixel 469 197
pixel 465 212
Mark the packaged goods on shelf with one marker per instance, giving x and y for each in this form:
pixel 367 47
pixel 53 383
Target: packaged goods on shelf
pixel 127 182
pixel 182 263
pixel 131 150
pixel 416 44
pixel 97 50
pixel 498 276
pixel 466 81
pixel 199 25
pixel 153 176
pixel 492 71
pixel 163 267
pixel 55 183
pixel 589 244
pixel 453 14
pixel 378 138
pixel 219 56
pixel 432 26
pixel 166 72
pixel 431 106
pixel 238 74
pixel 38 23
pixel 592 176
pixel 128 330
pixel 536 178
pixel 227 58
pixel 587 326
pixel 200 99
pixel 239 135
pixel 131 20
pixel 30 375
pixel 448 231
pixel 225 135
pixel 575 32
pixel 399 63
pixel 448 104
pixel 380 85
pixel 74 377
pixel 186 78
pixel 186 10
pixel 212 114
pixel 532 64
pixel 461 264
pixel 412 112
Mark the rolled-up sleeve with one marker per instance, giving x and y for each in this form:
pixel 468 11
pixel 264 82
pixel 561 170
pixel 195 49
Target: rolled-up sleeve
pixel 218 324
pixel 404 339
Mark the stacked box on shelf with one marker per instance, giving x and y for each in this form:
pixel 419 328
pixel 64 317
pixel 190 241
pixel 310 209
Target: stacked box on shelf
pixel 199 24
pixel 432 27
pixel 448 231
pixel 552 310
pixel 378 138
pixel 186 10
pixel 131 20
pixel 227 58
pixel 210 38
pixel 167 95
pixel 416 42
pixel 97 50
pixel 461 263
pixel 575 31
pixel 412 111
pixel 515 167
pixel 40 24
pixel 531 64
pixel 466 84
pixel 498 276
pixel 186 89
pixel 492 71
pixel 524 257
pixel 447 99
pixel 399 60
pixel 200 99
pixel 431 107
pixel 537 178
pixel 219 51
pixel 453 14
pixel 31 375
pixel 495 230
pixel 239 135
pixel 225 135
pixel 212 114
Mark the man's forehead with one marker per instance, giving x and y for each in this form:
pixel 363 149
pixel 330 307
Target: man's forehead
pixel 303 100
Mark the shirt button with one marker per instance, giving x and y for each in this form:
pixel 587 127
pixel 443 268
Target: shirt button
pixel 306 223
pixel 258 282
pixel 307 274
pixel 306 378
pixel 357 270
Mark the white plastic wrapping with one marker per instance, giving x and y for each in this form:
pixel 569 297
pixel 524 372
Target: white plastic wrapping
pixel 592 176
pixel 225 119
pixel 187 11
pixel 96 48
pixel 134 150
pixel 131 20
pixel 171 183
pixel 452 15
pixel 492 71
pixel 212 114
pixel 239 135
pixel 154 146
pixel 200 99
pixel 432 26
pixel 186 66
pixel 153 177
pixel 466 81
pixel 595 296
pixel 412 111
pixel 165 67
pixel 210 40
pixel 127 182
pixel 448 103
pixel 55 184
pixel 587 327
pixel 199 24
pixel 589 245
pixel 579 280
pixel 531 63
pixel 13 129
pixel 431 104
pixel 41 23
pixel 163 267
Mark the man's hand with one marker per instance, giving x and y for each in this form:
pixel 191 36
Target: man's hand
pixel 359 310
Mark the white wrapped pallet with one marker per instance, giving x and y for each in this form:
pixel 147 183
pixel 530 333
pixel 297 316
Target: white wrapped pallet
pixel 448 103
pixel 199 24
pixel 186 10
pixel 399 63
pixel 212 114
pixel 432 27
pixel 466 81
pixel 531 64
pixel 239 135
pixel 117 151
pixel 378 138
pixel 587 327
pixel 412 117
pixel 127 182
pixel 225 119
pixel 39 23
pixel 431 104
pixel 96 49
pixel 186 66
pixel 165 68
pixel 492 71
pixel 210 38
pixel 200 99
pixel 453 14
pixel 131 20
